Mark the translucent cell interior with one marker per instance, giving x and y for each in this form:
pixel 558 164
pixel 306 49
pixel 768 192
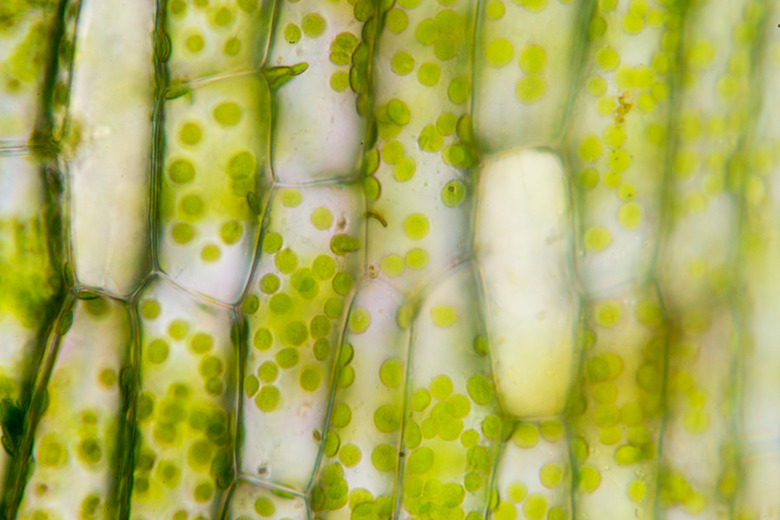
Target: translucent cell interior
pixel 389 259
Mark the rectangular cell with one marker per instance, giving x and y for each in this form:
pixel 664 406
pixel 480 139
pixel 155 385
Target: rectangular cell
pixel 215 170
pixel 527 63
pixel 452 421
pixel 30 266
pixel 615 414
pixel 110 121
pixel 26 49
pixel 207 38
pixel 521 248
pixel 615 144
pixel 361 449
pixel 185 406
pixel 697 262
pixel 417 172
pixel 295 307
pixel 78 475
pixel 698 252
pixel 319 118
pixel 759 172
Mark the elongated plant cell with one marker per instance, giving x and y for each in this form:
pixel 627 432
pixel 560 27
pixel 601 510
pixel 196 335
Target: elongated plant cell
pixel 390 259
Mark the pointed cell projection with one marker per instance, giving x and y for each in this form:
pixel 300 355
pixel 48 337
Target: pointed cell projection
pixel 250 501
pixel 77 475
pixel 521 249
pixel 214 177
pixel 527 61
pixel 212 38
pixel 360 452
pixel 185 409
pixel 696 268
pixel 759 168
pixel 110 135
pixel 616 140
pixel 318 128
pixel 295 306
pixel 29 282
pixel 418 180
pixel 25 53
pixel 453 421
pixel 615 414
pixel 533 479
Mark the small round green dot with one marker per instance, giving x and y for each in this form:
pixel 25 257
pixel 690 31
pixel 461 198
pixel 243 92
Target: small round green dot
pixel 459 90
pixel 321 349
pixel 323 267
pixel 286 261
pixel 342 283
pixel 268 398
pixel 350 455
pixel 480 389
pixel 589 479
pixel 182 233
pixel 281 303
pixel 443 316
pixel 417 259
pixel 416 226
pixel 181 171
pixel 232 46
pixel 227 113
pixel 157 351
pixel 391 373
pixel 530 89
pixel 287 358
pixel 231 232
pixel 292 33
pixel 420 461
pixel 383 458
pixel 291 198
pixel 402 63
pixel 242 165
pixel 210 253
pixel 263 339
pixel 392 265
pixel 296 333
pixel 597 239
pixel 359 320
pixel 453 193
pixel 495 9
pixel 339 81
pixel 396 20
pixel 264 507
pixel 532 59
pixel 178 329
pixel 150 309
pixel 190 134
pixel 313 25
pixel 550 475
pixel 427 31
pixel 195 43
pixel 499 52
pixel 421 399
pixel 387 419
pixel 269 283
pixel 272 243
pixel 311 378
pixel 428 74
pixel 201 343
